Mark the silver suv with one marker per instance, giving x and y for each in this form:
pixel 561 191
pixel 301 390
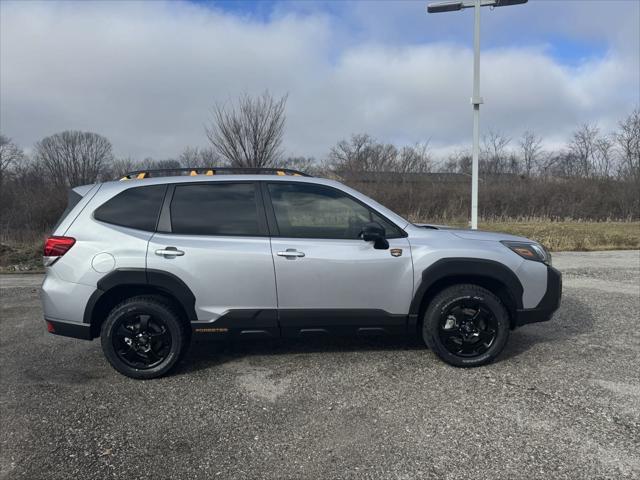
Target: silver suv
pixel 148 262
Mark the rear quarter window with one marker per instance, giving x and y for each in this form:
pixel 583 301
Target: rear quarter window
pixel 136 207
pixel 73 198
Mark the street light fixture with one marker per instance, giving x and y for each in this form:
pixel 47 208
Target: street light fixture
pixel 476 100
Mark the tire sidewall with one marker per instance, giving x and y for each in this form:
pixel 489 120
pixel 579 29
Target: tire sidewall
pixel 155 310
pixel 431 325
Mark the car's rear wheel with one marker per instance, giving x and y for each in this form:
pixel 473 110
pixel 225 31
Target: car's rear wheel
pixel 466 326
pixel 143 337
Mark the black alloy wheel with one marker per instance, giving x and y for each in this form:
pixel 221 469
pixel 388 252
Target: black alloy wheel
pixel 141 341
pixel 466 325
pixel 144 337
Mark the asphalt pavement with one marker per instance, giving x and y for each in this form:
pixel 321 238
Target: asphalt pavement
pixel 563 400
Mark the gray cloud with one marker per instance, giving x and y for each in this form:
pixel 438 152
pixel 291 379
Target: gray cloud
pixel 145 75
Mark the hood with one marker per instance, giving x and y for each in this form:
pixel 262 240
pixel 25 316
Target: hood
pixel 473 234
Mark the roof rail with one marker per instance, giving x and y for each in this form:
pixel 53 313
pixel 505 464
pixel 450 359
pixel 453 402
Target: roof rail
pixel 209 171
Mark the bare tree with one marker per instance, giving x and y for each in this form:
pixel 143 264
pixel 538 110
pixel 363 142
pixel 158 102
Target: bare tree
pixel 302 164
pixel 249 134
pixel 362 153
pixel 628 143
pixel 565 164
pixel 531 151
pixel 74 158
pixel 120 167
pixel 582 149
pixel 10 154
pixel 603 156
pixel 164 164
pixel 457 162
pixel 201 157
pixel 547 162
pixel 414 159
pixel 351 155
pixel 494 155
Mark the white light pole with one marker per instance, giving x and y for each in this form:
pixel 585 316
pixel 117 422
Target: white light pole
pixel 476 100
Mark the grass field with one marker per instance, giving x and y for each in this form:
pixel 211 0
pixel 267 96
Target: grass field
pixel 571 235
pixel 21 257
pixel 557 236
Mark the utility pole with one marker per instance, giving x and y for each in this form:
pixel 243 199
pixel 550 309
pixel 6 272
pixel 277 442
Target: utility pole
pixel 476 99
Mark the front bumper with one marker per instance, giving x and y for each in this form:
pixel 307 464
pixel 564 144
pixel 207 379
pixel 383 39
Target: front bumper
pixel 548 305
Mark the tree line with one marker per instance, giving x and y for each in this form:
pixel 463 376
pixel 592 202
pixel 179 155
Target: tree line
pixel 595 176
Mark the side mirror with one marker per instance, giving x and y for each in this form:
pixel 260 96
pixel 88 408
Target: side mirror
pixel 374 232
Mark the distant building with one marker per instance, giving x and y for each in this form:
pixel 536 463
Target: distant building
pixel 421 178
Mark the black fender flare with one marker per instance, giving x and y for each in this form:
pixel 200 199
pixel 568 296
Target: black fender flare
pixel 164 282
pixel 471 268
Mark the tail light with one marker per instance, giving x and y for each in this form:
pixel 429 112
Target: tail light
pixel 56 247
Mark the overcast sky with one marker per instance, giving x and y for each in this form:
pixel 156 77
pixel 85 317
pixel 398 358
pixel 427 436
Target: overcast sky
pixel 146 74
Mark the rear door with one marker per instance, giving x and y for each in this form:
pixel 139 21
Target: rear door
pixel 329 279
pixel 213 236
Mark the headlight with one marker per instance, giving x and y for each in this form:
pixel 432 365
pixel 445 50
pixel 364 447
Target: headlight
pixel 529 251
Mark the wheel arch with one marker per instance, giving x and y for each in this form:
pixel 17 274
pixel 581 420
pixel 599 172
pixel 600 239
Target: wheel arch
pixel 494 276
pixel 121 284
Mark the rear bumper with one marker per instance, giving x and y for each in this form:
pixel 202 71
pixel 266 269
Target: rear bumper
pixel 63 305
pixel 548 305
pixel 69 329
pixel 64 300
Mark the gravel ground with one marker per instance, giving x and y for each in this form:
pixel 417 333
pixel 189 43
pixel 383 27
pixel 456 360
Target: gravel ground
pixel 563 401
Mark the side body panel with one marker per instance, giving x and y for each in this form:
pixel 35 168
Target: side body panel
pixel 224 273
pixel 334 282
pixel 343 274
pixel 430 246
pixel 100 249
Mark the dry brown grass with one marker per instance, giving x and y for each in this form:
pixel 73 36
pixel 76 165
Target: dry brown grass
pixel 571 235
pixel 16 257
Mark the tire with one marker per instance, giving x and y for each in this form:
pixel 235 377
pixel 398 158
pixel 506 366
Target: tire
pixel 144 337
pixel 466 326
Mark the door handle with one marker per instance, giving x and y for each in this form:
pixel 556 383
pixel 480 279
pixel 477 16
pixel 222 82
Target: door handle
pixel 290 253
pixel 169 252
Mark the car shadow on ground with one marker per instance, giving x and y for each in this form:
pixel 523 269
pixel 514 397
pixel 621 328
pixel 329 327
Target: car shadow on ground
pixel 572 319
pixel 206 354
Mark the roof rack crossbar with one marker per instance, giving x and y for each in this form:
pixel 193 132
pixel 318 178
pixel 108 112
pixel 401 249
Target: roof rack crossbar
pixel 209 171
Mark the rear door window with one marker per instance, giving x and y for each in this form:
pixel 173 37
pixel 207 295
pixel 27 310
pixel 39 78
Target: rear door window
pixel 136 207
pixel 216 209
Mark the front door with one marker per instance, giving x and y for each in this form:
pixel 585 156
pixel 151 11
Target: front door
pixel 328 279
pixel 218 245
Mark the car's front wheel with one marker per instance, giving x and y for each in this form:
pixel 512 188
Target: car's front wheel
pixel 143 337
pixel 466 325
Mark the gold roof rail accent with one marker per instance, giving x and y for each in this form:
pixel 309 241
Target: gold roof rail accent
pixel 210 171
